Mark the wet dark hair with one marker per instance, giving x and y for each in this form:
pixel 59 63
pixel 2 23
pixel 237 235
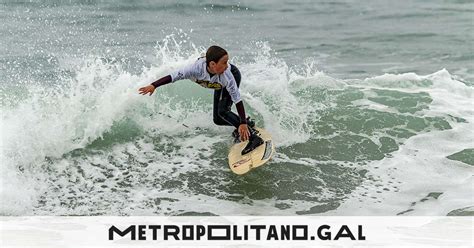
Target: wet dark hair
pixel 214 53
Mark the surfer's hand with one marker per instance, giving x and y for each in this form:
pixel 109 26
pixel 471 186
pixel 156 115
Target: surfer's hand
pixel 147 89
pixel 244 132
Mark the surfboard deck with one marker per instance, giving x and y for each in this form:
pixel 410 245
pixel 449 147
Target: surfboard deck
pixel 241 164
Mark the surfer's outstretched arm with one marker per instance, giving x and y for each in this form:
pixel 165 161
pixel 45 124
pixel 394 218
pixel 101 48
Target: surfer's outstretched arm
pixel 186 72
pixel 151 88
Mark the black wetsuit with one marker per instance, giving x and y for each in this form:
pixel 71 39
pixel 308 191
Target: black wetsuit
pixel 222 114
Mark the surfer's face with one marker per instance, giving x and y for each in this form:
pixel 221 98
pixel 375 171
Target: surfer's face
pixel 220 66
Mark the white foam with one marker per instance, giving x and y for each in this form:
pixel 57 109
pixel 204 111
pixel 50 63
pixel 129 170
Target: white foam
pixel 269 87
pixel 421 165
pixel 77 111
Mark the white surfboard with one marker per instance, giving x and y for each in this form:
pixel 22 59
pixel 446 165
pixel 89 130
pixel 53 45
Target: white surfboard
pixel 241 164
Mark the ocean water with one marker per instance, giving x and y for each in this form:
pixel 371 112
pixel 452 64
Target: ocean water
pixel 370 105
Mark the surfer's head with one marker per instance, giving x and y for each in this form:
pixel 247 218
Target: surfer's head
pixel 217 59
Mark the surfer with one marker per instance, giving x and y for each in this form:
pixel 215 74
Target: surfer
pixel 213 71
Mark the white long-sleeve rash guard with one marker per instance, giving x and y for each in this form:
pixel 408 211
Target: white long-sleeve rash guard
pixel 198 73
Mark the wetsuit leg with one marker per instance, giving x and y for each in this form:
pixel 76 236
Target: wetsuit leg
pixel 222 113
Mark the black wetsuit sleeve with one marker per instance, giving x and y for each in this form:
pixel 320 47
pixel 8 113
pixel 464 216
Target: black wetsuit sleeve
pixel 162 81
pixel 241 111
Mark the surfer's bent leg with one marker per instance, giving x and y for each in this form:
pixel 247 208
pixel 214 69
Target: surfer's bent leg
pixel 222 113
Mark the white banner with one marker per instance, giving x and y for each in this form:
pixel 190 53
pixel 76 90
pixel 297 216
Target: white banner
pixel 234 231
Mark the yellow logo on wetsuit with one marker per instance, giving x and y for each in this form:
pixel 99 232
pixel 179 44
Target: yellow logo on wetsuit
pixel 207 84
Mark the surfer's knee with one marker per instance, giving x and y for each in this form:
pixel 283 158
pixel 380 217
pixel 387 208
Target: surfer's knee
pixel 218 120
pixel 215 120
